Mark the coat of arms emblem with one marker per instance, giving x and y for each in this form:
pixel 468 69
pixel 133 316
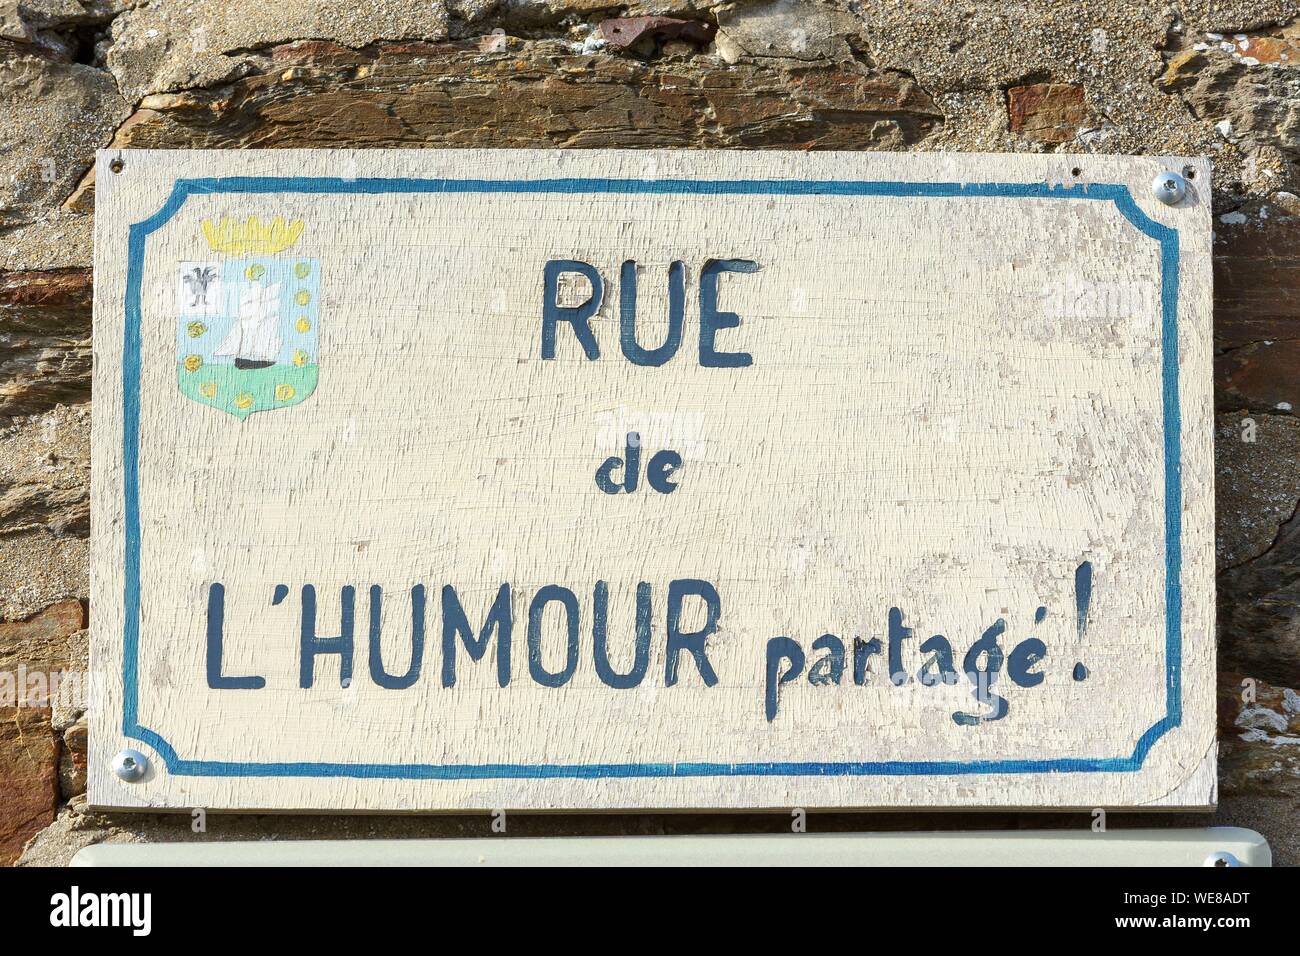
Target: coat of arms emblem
pixel 247 319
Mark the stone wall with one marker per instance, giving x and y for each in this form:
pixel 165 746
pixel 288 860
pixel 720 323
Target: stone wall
pixel 1095 76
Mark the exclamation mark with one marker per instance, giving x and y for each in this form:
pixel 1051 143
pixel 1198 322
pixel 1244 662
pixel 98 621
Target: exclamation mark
pixel 1082 599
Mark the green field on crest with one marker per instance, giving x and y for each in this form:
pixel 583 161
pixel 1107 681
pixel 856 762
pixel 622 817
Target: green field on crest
pixel 244 391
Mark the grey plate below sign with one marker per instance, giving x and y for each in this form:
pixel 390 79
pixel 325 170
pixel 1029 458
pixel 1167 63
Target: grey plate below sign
pixel 1222 846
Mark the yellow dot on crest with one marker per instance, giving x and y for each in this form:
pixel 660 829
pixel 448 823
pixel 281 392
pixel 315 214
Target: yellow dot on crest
pixel 302 270
pixel 255 271
pixel 193 363
pixel 283 392
pixel 302 297
pixel 303 325
pixel 300 358
pixel 208 389
pixel 195 329
pixel 243 400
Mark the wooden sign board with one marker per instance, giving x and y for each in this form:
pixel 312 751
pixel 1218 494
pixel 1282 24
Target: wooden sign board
pixel 431 480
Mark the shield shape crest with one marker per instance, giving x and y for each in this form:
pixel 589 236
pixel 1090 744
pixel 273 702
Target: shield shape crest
pixel 248 319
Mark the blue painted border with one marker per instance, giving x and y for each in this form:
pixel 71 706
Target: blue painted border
pixel 1104 192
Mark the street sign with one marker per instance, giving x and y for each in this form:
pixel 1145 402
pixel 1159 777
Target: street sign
pixel 491 479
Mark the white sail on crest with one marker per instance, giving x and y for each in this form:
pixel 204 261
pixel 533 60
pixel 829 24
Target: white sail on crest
pixel 256 334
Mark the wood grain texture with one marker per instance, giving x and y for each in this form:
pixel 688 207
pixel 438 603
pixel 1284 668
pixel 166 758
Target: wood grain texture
pixel 955 400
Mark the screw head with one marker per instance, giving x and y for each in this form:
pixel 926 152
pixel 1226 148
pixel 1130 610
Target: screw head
pixel 1221 858
pixel 130 765
pixel 1169 188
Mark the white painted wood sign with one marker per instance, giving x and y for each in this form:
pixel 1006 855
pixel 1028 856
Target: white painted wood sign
pixel 432 480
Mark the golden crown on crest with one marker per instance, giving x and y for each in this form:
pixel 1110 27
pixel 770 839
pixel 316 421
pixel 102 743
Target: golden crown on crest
pixel 236 236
